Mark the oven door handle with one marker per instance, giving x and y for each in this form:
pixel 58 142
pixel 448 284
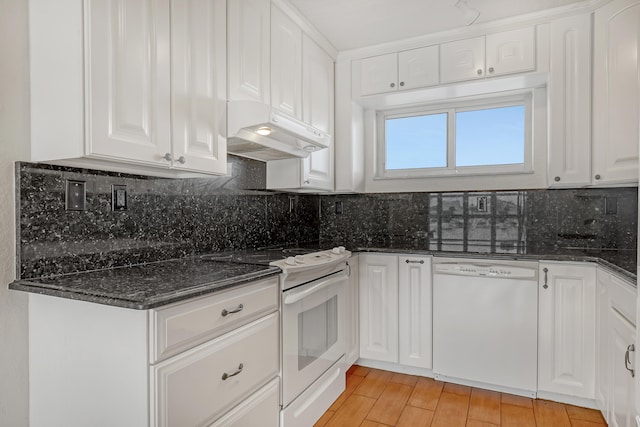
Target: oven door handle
pixel 295 296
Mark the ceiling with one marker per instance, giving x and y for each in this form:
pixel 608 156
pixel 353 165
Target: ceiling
pixel 352 24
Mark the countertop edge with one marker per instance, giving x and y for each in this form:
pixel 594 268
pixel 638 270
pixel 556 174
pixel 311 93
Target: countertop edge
pixel 32 286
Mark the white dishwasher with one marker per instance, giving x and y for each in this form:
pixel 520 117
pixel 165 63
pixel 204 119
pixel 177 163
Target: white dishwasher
pixel 485 323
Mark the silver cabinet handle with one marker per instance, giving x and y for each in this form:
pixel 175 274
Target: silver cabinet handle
pixel 412 261
pixel 546 278
pixel 556 179
pixel 479 71
pixel 226 312
pixel 401 83
pixel 597 176
pixel 182 160
pixel 627 359
pixel 168 157
pixel 392 85
pixel 225 376
pixel 491 69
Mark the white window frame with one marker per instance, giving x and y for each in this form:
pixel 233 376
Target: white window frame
pixel 524 98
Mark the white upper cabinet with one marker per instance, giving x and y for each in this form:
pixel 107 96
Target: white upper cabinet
pixel 307 90
pixel 409 69
pixel 198 85
pixel 494 55
pixel 286 64
pixel 129 81
pixel 616 92
pixel 570 102
pixel 109 79
pixel 249 36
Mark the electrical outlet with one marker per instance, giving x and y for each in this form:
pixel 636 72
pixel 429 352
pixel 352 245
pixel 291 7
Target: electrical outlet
pixel 118 197
pixel 339 208
pixel 76 196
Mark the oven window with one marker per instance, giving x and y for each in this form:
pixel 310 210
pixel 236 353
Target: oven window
pixel 317 331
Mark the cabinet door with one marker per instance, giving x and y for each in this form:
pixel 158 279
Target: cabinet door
pixel 379 307
pixel 570 102
pixel 418 68
pixel 510 52
pixel 198 85
pixel 379 74
pixel 602 347
pixel 353 331
pixel 249 34
pixel 286 64
pixel 462 60
pixel 129 80
pixel 616 92
pixel 414 314
pixel 622 335
pixel 566 334
pixel 317 110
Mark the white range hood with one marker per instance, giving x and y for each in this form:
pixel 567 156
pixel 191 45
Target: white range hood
pixel 260 132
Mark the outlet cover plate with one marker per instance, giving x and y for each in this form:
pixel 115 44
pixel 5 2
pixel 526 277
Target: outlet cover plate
pixel 76 196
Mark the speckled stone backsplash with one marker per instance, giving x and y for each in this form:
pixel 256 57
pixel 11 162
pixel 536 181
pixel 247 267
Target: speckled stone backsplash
pixel 165 218
pixel 173 218
pixel 531 221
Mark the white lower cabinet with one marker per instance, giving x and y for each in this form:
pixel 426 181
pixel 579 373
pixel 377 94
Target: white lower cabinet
pixel 615 394
pixel 395 309
pixel 567 329
pixel 210 360
pixel 414 315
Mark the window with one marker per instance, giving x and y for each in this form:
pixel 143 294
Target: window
pixel 470 138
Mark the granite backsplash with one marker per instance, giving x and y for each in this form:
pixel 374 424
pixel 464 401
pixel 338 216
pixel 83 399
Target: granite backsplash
pixel 174 218
pixel 165 218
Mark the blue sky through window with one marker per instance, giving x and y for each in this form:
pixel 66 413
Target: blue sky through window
pixel 493 136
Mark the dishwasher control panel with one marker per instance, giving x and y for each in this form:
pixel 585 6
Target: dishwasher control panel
pixel 489 270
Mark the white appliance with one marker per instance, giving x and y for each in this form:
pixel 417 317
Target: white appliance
pixel 260 132
pixel 314 288
pixel 485 324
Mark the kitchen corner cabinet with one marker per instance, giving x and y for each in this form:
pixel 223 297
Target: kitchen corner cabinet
pixel 395 309
pixel 158 367
pixel 109 87
pixel 567 329
pixel 496 54
pixel 615 394
pixel 570 102
pixel 616 92
pixel 249 30
pixel 353 331
pixel 409 69
pixel 314 172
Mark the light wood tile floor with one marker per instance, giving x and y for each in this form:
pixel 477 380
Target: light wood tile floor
pixel 375 398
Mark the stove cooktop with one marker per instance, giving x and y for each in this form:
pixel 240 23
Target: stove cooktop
pixel 261 257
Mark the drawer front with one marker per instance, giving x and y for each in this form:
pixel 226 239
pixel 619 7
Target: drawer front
pixel 181 326
pixel 260 409
pixel 189 389
pixel 622 297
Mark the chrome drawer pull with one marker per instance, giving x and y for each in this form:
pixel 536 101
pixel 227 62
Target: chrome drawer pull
pixel 627 360
pixel 414 261
pixel 225 375
pixel 226 312
pixel 546 270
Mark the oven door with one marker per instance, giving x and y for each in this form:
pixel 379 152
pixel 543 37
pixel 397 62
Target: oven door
pixel 312 332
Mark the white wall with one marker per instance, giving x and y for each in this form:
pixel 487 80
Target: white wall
pixel 14 137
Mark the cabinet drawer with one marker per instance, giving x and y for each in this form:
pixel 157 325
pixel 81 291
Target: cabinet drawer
pixel 184 325
pixel 260 409
pixel 623 298
pixel 189 389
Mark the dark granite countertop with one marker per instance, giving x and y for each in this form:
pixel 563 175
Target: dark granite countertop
pixel 622 262
pixel 148 285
